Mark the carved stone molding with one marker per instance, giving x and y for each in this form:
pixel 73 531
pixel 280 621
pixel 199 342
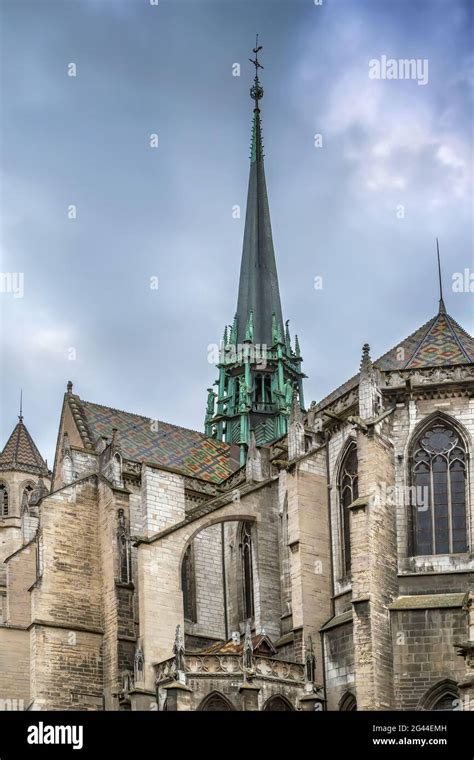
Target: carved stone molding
pixel 222 665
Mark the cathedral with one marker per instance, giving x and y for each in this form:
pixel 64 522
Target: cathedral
pixel 290 557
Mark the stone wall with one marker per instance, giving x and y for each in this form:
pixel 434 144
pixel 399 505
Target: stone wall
pixel 339 661
pixel 209 584
pixel 424 652
pixel 66 635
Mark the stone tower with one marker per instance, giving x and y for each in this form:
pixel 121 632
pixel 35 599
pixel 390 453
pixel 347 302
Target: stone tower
pixel 24 480
pixel 259 370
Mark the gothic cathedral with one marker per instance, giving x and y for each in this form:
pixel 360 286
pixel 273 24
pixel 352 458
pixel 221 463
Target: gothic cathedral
pixel 288 558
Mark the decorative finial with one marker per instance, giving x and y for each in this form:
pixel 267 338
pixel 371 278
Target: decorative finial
pixel 256 92
pixel 179 653
pixel 366 361
pixel 287 336
pixel 69 387
pixel 20 416
pixel 247 652
pixel 442 307
pixel 297 347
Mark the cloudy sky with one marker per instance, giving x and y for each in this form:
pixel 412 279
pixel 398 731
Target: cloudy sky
pixel 361 211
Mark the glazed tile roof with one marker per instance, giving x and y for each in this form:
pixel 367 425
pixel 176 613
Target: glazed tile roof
pixel 142 439
pixel 439 342
pixel 21 452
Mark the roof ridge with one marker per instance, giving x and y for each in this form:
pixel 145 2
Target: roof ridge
pixel 147 417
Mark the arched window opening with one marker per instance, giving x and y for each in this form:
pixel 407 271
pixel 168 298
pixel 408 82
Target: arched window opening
pixel 348 702
pixel 277 704
pixel 263 392
pixel 438 492
pixel 188 585
pixel 348 492
pixel 215 702
pixel 3 500
pixel 448 701
pixel 444 695
pixel 247 570
pixel 25 496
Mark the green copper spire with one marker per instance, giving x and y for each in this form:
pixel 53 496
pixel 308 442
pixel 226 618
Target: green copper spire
pixel 258 287
pixel 259 374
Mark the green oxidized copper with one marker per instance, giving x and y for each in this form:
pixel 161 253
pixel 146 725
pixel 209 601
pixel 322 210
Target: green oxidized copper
pixel 259 372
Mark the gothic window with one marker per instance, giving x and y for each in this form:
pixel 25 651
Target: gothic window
pixel 348 492
pixel 3 500
pixel 247 570
pixel 438 493
pixel 348 702
pixel 25 496
pixel 444 695
pixel 188 585
pixel 277 704
pixel 215 702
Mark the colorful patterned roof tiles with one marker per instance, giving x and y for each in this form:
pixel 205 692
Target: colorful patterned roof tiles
pixel 21 452
pixel 143 439
pixel 439 342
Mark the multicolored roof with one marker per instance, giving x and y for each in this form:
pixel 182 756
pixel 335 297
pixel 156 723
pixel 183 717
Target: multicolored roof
pixel 21 452
pixel 143 439
pixel 439 342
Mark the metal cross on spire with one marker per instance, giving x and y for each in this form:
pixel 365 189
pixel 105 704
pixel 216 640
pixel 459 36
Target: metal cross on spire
pixel 256 92
pixel 20 416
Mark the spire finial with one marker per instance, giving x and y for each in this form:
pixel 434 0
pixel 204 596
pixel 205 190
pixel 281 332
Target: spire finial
pixel 256 92
pixel 20 416
pixel 442 307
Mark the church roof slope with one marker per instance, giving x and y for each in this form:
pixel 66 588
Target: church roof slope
pixel 143 439
pixel 21 453
pixel 440 342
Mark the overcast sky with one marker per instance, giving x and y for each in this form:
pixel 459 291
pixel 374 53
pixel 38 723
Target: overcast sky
pixel 362 211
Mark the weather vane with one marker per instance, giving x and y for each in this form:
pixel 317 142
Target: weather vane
pixel 256 92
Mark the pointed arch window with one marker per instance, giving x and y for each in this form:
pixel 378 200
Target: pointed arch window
pixel 444 695
pixel 438 492
pixel 215 702
pixel 348 492
pixel 3 500
pixel 188 585
pixel 348 702
pixel 247 570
